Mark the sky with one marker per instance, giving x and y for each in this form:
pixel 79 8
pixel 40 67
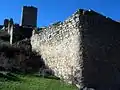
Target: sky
pixel 50 11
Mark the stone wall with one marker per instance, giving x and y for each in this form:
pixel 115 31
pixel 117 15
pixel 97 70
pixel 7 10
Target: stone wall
pixel 100 41
pixel 59 46
pixel 83 50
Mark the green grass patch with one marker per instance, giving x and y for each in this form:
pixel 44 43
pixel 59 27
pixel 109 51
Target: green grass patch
pixel 31 82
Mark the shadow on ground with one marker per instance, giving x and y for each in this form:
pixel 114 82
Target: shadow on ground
pixel 48 77
pixel 8 77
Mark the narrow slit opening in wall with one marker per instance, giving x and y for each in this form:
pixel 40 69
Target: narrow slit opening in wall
pixel 57 32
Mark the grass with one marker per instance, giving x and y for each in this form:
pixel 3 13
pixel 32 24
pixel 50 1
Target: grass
pixel 31 82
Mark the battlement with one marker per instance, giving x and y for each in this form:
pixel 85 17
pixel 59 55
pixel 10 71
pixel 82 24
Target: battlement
pixel 29 7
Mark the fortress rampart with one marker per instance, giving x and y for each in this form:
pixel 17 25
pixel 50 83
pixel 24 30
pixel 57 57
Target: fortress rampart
pixel 83 50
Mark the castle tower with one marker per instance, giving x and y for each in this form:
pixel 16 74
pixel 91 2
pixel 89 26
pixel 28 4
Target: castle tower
pixel 29 16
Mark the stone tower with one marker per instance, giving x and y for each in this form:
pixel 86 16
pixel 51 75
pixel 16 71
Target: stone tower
pixel 29 16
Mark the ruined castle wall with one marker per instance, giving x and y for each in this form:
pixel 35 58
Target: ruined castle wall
pixel 59 46
pixel 83 49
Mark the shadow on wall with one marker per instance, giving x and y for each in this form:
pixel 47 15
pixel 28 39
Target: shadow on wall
pixel 101 56
pixel 17 59
pixel 32 64
pixel 21 33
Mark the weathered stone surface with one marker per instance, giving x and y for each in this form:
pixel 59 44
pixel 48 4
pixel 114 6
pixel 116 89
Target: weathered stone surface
pixel 59 46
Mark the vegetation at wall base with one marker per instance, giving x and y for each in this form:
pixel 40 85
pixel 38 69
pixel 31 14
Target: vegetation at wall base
pixel 10 81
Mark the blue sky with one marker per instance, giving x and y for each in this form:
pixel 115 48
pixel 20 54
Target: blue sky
pixel 50 11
